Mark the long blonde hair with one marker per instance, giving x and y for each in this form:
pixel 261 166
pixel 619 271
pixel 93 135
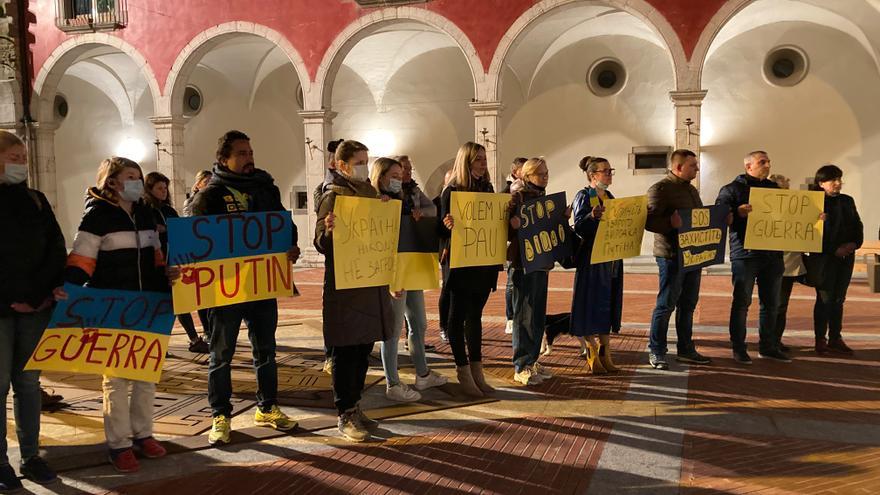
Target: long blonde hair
pixel 200 177
pixel 109 169
pixel 461 169
pixel 380 167
pixel 530 167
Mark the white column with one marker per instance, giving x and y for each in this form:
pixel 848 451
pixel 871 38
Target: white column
pixel 487 123
pixel 169 133
pixel 317 125
pixel 687 121
pixel 44 148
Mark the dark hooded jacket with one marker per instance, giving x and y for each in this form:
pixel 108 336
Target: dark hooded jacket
pixel 33 253
pixel 733 196
pixel 351 316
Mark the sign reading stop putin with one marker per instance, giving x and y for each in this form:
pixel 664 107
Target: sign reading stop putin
pixel 230 259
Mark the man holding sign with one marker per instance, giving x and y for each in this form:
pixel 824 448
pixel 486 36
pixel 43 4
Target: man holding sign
pixel 679 289
pixel 751 265
pixel 238 186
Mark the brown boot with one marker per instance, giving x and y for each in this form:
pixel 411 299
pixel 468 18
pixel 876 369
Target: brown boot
pixel 605 357
pixel 593 361
pixel 479 378
pixel 821 345
pixel 466 380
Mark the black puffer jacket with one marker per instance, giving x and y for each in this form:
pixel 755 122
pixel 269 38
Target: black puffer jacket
pixel 733 196
pixel 842 223
pixel 32 254
pixel 115 250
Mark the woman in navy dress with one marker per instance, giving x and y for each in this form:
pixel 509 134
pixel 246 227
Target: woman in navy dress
pixel 598 294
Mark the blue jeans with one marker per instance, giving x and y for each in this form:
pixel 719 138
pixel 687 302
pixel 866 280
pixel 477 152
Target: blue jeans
pixel 411 305
pixel 679 292
pixel 529 315
pixel 767 271
pixel 19 336
pixel 261 318
pixel 508 296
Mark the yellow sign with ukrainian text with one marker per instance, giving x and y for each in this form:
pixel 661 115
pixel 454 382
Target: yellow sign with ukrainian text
pixel 621 229
pixel 785 220
pixel 365 241
pixel 479 231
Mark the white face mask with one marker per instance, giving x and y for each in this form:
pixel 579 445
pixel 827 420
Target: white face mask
pixel 15 173
pixel 360 172
pixel 601 185
pixel 133 190
pixel 395 186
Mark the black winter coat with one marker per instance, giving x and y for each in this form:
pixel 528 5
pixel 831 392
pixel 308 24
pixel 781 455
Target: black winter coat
pixel 733 196
pixel 842 224
pixel 33 253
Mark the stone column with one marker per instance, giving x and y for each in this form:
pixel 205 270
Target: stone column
pixel 487 122
pixel 44 150
pixel 169 135
pixel 317 125
pixel 687 121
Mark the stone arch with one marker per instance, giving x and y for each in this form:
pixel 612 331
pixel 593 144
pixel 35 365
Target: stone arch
pixel 361 28
pixel 204 42
pixel 640 9
pixel 698 58
pixel 54 68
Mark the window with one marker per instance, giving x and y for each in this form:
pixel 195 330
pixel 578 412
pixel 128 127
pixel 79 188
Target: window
pixel 786 66
pixel 90 15
pixel 386 3
pixel 647 160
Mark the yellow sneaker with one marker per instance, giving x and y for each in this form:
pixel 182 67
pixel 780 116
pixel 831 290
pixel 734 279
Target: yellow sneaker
pixel 274 419
pixel 220 431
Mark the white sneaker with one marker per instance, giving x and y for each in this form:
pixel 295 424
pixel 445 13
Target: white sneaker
pixel 547 350
pixel 328 366
pixel 509 328
pixel 402 393
pixel 541 371
pixel 432 380
pixel 527 377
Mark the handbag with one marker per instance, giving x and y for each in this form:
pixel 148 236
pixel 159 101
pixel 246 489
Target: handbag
pixel 576 245
pixel 815 265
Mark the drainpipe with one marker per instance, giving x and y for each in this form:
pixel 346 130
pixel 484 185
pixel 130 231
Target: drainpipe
pixel 25 84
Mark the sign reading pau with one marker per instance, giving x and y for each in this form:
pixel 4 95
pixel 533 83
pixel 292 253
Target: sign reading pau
pixel 107 332
pixel 784 220
pixel 479 231
pixel 230 259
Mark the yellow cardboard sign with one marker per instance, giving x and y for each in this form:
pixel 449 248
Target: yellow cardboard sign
pixel 785 220
pixel 479 233
pixel 131 354
pixel 221 282
pixel 417 271
pixel 621 229
pixel 365 241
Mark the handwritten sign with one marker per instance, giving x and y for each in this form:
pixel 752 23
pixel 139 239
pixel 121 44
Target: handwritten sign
pixel 365 241
pixel 784 220
pixel 620 229
pixel 417 260
pixel 479 232
pixel 230 259
pixel 107 332
pixel 702 237
pixel 542 232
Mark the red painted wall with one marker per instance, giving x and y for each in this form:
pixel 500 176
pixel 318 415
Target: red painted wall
pixel 160 29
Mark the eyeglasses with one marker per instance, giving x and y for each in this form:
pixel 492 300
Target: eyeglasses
pixel 607 171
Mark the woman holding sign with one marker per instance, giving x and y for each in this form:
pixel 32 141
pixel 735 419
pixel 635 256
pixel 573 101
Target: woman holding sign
pixel 31 265
pixel 387 176
pixel 842 236
pixel 354 319
pixel 156 196
pixel 469 287
pixel 598 289
pixel 117 247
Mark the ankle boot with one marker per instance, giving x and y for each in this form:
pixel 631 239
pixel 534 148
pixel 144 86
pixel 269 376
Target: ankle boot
pixel 479 378
pixel 605 357
pixel 466 380
pixel 593 361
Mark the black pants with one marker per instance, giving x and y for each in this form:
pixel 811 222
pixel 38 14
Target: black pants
pixel 443 306
pixel 828 310
pixel 261 318
pixel 186 321
pixel 784 297
pixel 465 324
pixel 350 364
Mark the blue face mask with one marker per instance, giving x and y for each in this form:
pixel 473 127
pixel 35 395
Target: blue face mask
pixel 133 190
pixel 395 186
pixel 15 173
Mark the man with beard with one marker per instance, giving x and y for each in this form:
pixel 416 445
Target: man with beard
pixel 238 186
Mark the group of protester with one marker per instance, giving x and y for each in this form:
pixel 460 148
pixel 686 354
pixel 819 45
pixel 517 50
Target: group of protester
pixel 121 244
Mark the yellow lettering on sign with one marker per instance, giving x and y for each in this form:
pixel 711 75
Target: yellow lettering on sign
pixel 699 238
pixel 700 217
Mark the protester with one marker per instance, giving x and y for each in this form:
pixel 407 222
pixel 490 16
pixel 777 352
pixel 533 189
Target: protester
pixel 443 301
pixel 515 168
pixel 469 287
pixel 117 247
pixel 238 186
pixel 31 266
pixel 598 288
pixel 529 289
pixel 387 176
pixel 679 291
pixel 795 271
pixel 202 179
pixel 156 196
pixel 751 265
pixel 842 236
pixel 328 178
pixel 354 319
pixel 515 175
